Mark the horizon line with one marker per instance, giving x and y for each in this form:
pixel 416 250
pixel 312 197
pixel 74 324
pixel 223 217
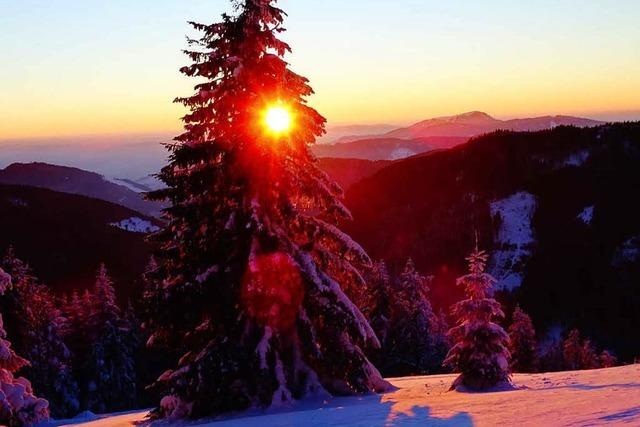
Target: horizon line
pixel 630 115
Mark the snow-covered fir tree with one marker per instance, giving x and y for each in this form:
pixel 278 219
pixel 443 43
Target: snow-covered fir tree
pixel 37 330
pixel 522 336
pixel 153 303
pixel 440 342
pixel 109 369
pixel 579 353
pixel 572 350
pixel 76 310
pixel 18 405
pixel 255 269
pixel 103 305
pixel 410 349
pixel 413 338
pixel 550 355
pixel 103 342
pixel 588 357
pixel 73 310
pixel 377 302
pixel 152 290
pixel 480 351
pixel 607 360
pixel 154 359
pixel 51 370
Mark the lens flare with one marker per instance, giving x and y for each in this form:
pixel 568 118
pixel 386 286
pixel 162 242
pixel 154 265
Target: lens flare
pixel 277 119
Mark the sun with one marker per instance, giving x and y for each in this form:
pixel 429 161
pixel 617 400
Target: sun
pixel 277 119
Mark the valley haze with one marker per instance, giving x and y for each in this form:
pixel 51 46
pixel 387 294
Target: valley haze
pixel 137 156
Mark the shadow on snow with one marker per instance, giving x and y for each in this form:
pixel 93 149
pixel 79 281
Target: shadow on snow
pixel 369 410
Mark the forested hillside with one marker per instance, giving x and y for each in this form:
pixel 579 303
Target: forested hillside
pixel 65 237
pixel 555 208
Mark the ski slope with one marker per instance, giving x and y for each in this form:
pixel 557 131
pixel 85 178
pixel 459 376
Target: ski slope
pixel 577 398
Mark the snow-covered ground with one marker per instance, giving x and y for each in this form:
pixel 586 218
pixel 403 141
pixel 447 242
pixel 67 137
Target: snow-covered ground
pixel 577 159
pixel 628 252
pixel 578 398
pixel 586 215
pixel 401 153
pixel 136 225
pixel 514 240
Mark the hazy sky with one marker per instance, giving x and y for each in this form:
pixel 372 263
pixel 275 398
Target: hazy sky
pixel 110 66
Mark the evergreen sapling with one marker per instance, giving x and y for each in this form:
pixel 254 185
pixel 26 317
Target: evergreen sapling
pixel 480 350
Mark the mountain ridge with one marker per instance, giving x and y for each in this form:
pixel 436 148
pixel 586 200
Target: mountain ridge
pixel 437 133
pixel 474 123
pixel 64 237
pixel 74 180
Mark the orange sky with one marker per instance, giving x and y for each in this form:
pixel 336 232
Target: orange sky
pixel 74 68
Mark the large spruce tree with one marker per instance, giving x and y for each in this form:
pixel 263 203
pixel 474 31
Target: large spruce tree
pixel 254 268
pixel 377 303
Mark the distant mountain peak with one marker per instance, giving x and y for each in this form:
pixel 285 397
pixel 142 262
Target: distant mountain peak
pixel 470 115
pixel 474 123
pixel 438 132
pixel 470 118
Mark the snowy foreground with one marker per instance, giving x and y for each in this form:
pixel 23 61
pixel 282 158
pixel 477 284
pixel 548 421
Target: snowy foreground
pixel 578 398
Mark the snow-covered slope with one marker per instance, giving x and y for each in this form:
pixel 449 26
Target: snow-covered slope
pixel 136 225
pixel 578 398
pixel 514 240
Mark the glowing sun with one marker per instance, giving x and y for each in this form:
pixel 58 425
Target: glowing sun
pixel 277 119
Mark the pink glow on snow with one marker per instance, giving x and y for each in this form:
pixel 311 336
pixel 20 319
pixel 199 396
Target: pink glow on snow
pixel 594 397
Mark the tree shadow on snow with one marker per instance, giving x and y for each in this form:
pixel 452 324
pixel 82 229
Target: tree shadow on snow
pixel 420 415
pixel 587 387
pixel 506 386
pixel 622 415
pixel 369 411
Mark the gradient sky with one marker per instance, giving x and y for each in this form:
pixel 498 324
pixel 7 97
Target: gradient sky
pixel 110 66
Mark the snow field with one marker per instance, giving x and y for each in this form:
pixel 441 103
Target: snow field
pixel 577 398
